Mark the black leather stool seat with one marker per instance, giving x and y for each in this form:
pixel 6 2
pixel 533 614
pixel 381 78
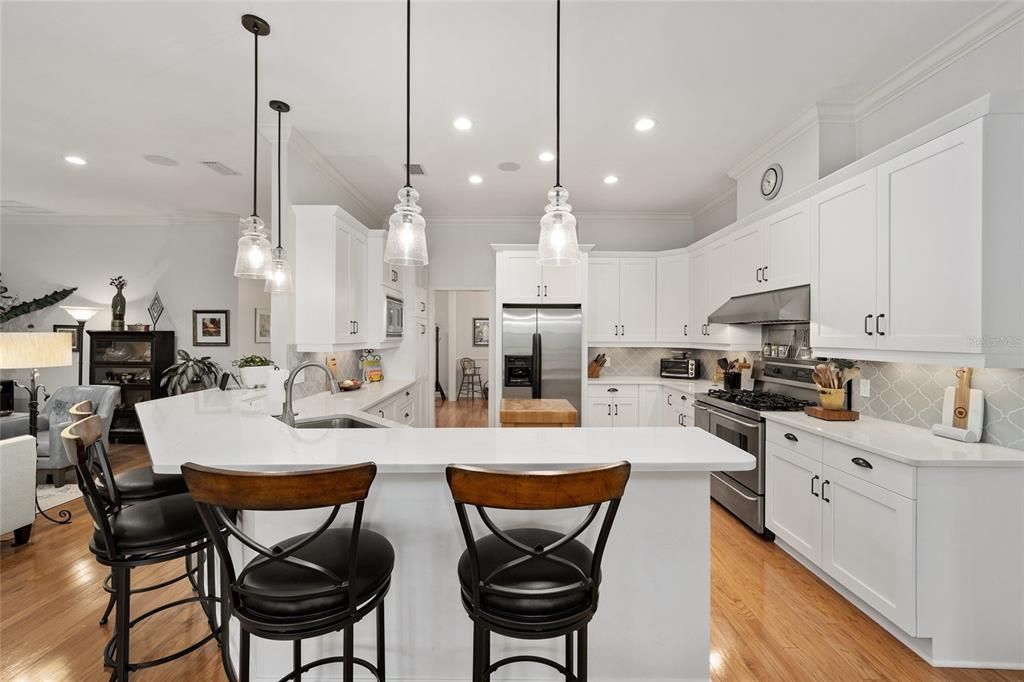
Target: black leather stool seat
pixel 170 521
pixel 289 591
pixel 143 484
pixel 534 574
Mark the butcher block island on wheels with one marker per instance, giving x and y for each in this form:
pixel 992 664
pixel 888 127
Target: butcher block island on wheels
pixel 653 622
pixel 549 412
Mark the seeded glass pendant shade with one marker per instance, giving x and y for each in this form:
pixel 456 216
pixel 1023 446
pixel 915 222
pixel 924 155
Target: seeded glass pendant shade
pixel 280 279
pixel 407 233
pixel 558 243
pixel 253 258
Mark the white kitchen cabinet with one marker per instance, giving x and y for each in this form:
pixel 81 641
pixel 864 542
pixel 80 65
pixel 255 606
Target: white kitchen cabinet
pixel 613 405
pixel 650 406
pixel 393 277
pixel 868 544
pixel 748 253
pixel 843 262
pixel 421 303
pixel 677 408
pixel 622 300
pixel 719 281
pixel 773 253
pixel 672 324
pixel 793 500
pixel 330 278
pixel 599 411
pixel 523 280
pixel 626 412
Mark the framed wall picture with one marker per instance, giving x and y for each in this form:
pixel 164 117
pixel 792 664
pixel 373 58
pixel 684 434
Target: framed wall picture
pixel 211 328
pixel 262 331
pixel 76 340
pixel 481 331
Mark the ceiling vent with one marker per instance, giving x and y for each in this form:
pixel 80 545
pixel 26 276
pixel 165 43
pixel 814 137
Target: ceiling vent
pixel 416 169
pixel 220 168
pixel 11 206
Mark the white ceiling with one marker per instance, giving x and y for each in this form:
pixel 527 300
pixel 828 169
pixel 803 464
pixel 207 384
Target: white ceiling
pixel 115 81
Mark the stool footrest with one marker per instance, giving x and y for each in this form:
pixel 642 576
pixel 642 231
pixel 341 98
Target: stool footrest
pixel 333 659
pixel 532 659
pixel 110 649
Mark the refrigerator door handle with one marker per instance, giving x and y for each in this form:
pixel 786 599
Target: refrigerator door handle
pixel 537 369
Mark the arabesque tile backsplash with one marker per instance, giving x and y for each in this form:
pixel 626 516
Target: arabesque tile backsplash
pixel 904 393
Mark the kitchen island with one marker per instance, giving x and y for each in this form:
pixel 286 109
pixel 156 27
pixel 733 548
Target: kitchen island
pixel 654 620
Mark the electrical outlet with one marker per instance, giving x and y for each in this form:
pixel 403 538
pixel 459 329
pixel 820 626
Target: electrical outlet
pixel 865 388
pixel 607 361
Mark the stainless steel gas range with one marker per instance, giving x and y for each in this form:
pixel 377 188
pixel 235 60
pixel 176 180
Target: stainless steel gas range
pixel 735 416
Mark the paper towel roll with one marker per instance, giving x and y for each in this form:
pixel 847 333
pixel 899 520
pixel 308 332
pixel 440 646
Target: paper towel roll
pixel 275 390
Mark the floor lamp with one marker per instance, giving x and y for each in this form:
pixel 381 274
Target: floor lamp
pixel 82 315
pixel 32 350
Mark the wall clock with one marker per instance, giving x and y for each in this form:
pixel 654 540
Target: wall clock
pixel 771 181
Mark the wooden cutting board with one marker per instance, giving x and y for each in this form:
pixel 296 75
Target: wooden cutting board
pixel 832 415
pixel 541 412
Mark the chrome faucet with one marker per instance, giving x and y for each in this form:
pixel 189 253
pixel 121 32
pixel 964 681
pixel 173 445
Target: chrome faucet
pixel 287 415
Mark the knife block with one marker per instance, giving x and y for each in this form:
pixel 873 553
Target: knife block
pixel 594 370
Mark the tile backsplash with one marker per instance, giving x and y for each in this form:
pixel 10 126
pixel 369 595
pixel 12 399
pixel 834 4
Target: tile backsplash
pixel 315 381
pixel 647 361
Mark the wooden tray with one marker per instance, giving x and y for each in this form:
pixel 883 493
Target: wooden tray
pixel 353 387
pixel 832 415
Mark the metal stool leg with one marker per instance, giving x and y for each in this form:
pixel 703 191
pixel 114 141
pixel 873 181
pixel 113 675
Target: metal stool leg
pixel 297 658
pixel 122 582
pixel 486 646
pixel 243 656
pixel 568 658
pixel 349 669
pixel 581 654
pixel 380 641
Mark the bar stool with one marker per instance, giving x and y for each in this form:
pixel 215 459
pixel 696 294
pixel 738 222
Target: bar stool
pixel 305 586
pixel 533 583
pixel 140 534
pixel 470 383
pixel 137 485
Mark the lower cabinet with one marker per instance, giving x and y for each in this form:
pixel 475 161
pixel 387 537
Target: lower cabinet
pixel 613 405
pixel 400 407
pixel 677 408
pixel 858 531
pixel 650 406
pixel 637 405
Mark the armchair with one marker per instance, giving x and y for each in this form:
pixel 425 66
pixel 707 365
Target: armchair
pixel 17 487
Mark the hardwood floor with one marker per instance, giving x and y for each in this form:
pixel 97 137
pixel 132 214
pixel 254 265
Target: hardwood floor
pixel 771 619
pixel 461 414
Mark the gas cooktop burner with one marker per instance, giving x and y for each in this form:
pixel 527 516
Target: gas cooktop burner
pixel 760 400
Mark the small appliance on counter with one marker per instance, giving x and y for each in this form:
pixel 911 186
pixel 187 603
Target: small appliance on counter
pixel 963 410
pixel 371 367
pixel 680 368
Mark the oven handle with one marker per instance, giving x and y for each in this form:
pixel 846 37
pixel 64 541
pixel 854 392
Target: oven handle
pixel 734 488
pixel 732 418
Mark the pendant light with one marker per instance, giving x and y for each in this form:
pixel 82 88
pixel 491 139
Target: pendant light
pixel 280 280
pixel 558 242
pixel 253 258
pixel 407 237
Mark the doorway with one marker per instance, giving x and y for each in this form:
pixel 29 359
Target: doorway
pixel 462 337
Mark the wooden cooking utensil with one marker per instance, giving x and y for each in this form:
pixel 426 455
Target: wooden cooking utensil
pixel 962 398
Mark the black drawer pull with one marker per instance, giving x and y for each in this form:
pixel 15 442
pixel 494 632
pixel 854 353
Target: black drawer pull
pixel 792 437
pixel 613 390
pixel 813 479
pixel 861 462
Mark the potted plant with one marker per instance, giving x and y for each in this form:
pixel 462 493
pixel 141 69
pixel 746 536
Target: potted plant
pixel 255 370
pixel 190 374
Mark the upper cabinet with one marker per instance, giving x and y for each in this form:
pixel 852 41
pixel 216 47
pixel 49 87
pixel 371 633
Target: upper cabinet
pixel 622 300
pixel 523 280
pixel 773 253
pixel 673 294
pixel 393 277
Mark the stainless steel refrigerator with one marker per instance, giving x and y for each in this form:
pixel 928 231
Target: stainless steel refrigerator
pixel 543 352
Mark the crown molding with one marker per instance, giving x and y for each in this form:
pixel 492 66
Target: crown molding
pixel 68 220
pixel 961 43
pixel 642 217
pixel 300 144
pixel 716 201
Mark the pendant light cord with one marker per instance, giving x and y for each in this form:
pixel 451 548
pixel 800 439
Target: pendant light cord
pixel 255 114
pixel 558 93
pixel 279 178
pixel 408 80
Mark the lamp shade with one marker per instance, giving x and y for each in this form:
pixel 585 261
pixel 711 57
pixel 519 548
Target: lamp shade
pixel 32 350
pixel 79 312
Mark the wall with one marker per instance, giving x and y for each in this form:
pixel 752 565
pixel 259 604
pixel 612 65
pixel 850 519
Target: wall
pixel 470 304
pixel 715 215
pixel 461 256
pixel 189 264
pixel 647 361
pixel 441 319
pixel 800 167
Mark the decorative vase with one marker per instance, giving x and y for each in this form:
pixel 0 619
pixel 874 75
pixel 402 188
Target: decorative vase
pixel 254 377
pixel 117 306
pixel 832 398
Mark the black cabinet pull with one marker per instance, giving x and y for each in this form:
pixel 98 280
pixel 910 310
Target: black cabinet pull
pixel 609 409
pixel 407 394
pixel 545 291
pixel 682 397
pixel 616 330
pixel 685 332
pixel 616 409
pixel 406 415
pixel 682 419
pixel 679 420
pixel 814 478
pixel 669 399
pixel 861 462
pixel 538 291
pixel 866 330
pixel 381 412
pixel 764 273
pixel 792 437
pixel 758 275
pixel 877 321
pixel 823 484
pixel 613 390
pixel 623 330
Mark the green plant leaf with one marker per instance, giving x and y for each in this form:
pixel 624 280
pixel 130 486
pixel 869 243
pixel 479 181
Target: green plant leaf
pixel 35 304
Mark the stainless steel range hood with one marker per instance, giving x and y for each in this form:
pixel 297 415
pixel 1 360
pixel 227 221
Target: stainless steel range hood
pixel 769 307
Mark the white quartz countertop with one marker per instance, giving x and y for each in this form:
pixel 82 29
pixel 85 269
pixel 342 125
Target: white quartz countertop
pixel 903 443
pixel 234 429
pixel 685 385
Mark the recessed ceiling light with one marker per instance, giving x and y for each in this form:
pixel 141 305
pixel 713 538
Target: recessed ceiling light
pixel 462 123
pixel 75 160
pixel 475 179
pixel 611 179
pixel 643 124
pixel 546 157
pixel 508 166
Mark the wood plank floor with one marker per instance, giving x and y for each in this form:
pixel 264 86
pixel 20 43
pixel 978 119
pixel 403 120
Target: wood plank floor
pixel 461 414
pixel 771 619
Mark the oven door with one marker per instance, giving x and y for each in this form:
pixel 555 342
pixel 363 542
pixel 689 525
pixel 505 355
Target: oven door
pixel 747 436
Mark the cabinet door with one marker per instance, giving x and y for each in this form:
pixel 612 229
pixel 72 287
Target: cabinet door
pixel 626 412
pixel 868 545
pixel 843 264
pixel 748 260
pixel 719 288
pixel 343 320
pixel 638 284
pixel 929 246
pixel 393 277
pixel 603 300
pixel 788 247
pixel 521 282
pixel 421 303
pixel 314 272
pixel 699 294
pixel 599 412
pixel 669 408
pixel 793 500
pixel 673 295
pixel 357 289
pixel 562 284
pixel 650 406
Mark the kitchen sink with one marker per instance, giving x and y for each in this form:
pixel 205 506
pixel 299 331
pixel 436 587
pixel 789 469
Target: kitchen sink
pixel 334 423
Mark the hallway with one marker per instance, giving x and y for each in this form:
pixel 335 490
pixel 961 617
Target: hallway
pixel 461 414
